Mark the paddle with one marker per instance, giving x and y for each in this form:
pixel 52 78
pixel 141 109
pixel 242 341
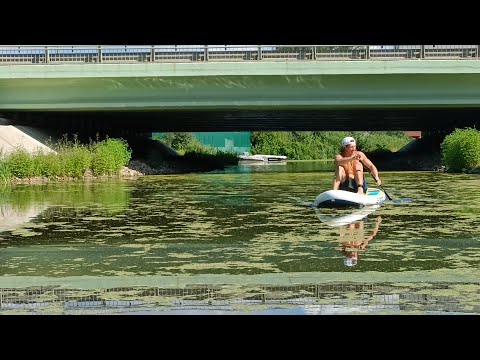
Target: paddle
pixel 396 201
pixel 381 187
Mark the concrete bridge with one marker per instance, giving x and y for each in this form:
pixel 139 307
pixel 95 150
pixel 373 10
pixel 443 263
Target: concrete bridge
pixel 399 89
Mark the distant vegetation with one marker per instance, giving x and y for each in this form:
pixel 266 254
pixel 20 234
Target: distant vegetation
pixel 71 160
pixel 323 145
pixel 461 150
pixel 187 145
pixel 299 145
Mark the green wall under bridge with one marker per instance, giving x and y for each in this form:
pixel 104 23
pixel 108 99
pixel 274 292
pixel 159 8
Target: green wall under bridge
pixel 289 95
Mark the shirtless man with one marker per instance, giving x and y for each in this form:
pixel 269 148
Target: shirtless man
pixel 349 169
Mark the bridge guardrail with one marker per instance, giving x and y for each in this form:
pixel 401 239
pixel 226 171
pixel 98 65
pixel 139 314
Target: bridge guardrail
pixel 26 54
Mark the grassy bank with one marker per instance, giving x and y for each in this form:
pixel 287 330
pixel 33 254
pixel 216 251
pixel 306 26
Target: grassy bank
pixel 69 159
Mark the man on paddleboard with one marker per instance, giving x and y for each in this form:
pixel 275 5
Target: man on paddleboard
pixel 349 169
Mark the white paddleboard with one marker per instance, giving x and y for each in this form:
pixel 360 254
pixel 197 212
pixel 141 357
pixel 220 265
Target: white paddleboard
pixel 342 198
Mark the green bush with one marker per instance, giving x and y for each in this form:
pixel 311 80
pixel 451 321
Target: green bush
pixel 180 141
pixel 49 164
pixel 76 161
pixel 20 163
pixel 109 156
pixel 381 141
pixel 273 143
pixel 461 150
pixel 185 143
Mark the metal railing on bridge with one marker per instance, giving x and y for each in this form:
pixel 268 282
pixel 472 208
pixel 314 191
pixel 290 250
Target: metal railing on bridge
pixel 201 53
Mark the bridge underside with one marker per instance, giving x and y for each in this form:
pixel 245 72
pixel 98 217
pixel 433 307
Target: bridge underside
pixel 289 96
pixel 136 122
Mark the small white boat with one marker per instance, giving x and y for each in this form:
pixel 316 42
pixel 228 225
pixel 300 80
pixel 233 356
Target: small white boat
pixel 264 158
pixel 342 198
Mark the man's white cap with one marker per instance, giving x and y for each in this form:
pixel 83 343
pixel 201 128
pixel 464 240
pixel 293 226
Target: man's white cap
pixel 347 141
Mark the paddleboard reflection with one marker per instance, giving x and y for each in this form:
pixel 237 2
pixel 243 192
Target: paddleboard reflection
pixel 354 231
pixel 338 217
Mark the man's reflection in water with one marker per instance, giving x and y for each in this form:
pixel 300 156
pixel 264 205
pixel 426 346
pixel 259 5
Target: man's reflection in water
pixel 354 238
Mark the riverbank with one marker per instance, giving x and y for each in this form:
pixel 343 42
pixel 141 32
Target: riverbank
pixel 157 160
pixel 76 162
pixel 134 168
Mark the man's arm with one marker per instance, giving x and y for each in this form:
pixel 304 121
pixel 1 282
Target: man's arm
pixel 340 160
pixel 373 169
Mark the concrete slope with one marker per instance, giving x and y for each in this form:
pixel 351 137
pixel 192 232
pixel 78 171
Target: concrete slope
pixel 12 137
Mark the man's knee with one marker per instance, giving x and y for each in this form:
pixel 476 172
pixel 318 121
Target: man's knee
pixel 340 174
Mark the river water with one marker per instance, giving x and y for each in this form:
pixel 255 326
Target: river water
pixel 245 240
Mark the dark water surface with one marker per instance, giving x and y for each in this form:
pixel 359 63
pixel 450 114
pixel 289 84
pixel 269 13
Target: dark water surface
pixel 240 241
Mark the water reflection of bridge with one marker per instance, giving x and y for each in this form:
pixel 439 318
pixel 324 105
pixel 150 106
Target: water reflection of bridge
pixel 331 298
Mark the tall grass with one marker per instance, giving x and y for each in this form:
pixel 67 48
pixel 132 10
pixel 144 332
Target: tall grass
pixel 71 159
pixel 5 174
pixel 109 155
